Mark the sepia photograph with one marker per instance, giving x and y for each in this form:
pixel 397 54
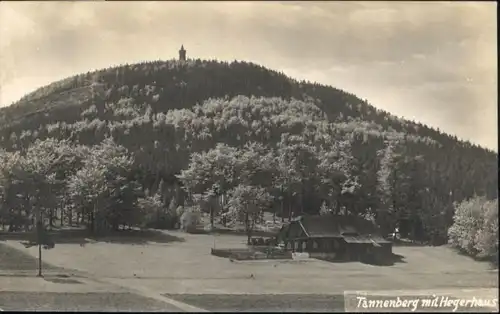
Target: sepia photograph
pixel 248 156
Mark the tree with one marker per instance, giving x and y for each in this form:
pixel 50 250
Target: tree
pixel 87 189
pixel 335 174
pixel 150 206
pixel 394 185
pixel 207 203
pixel 35 174
pixel 105 189
pixel 63 159
pixel 210 175
pixel 6 163
pixel 245 203
pixel 254 165
pixel 289 176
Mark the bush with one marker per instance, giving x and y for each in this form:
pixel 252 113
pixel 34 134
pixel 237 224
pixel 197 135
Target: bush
pixel 190 218
pixel 475 228
pixel 486 241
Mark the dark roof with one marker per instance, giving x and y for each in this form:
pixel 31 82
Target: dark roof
pixel 337 226
pixel 352 229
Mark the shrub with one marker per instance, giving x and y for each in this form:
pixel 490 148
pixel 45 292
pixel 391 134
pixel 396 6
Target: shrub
pixel 486 241
pixel 190 218
pixel 475 228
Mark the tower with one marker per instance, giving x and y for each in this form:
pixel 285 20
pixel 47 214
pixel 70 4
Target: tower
pixel 182 54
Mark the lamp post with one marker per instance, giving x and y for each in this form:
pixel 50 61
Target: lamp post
pixel 39 230
pixel 39 258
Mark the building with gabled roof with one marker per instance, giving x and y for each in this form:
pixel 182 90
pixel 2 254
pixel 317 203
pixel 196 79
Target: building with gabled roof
pixel 337 236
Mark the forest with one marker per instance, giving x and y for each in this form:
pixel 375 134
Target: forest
pixel 143 144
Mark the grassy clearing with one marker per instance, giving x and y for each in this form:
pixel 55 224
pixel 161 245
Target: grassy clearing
pixel 188 267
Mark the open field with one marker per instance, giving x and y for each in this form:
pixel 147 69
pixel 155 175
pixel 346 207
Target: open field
pixel 264 302
pixel 187 267
pixel 183 270
pixel 51 301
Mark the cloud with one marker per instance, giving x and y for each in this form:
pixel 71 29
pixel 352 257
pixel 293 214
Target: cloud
pixel 435 62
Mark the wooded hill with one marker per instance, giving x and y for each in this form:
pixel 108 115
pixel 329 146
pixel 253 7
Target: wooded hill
pixel 224 134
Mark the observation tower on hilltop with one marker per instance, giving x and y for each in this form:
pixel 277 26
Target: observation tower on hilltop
pixel 182 54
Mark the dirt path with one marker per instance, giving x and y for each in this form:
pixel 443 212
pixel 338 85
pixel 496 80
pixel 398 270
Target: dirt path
pixel 143 291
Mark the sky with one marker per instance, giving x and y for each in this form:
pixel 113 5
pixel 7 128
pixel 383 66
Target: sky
pixel 432 62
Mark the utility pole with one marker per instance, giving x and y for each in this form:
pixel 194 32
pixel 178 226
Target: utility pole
pixel 39 230
pixel 39 258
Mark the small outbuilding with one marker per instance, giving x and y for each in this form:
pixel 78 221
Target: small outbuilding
pixel 336 237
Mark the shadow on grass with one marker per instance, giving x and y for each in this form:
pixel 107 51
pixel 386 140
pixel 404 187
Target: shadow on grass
pixel 136 237
pixel 388 261
pixel 400 243
pixel 236 232
pixel 250 254
pixel 491 261
pixel 332 260
pixel 12 259
pixel 63 280
pixel 82 237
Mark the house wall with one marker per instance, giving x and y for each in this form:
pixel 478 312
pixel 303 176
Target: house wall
pixel 326 245
pixel 296 245
pixel 356 251
pixel 328 248
pixel 336 248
